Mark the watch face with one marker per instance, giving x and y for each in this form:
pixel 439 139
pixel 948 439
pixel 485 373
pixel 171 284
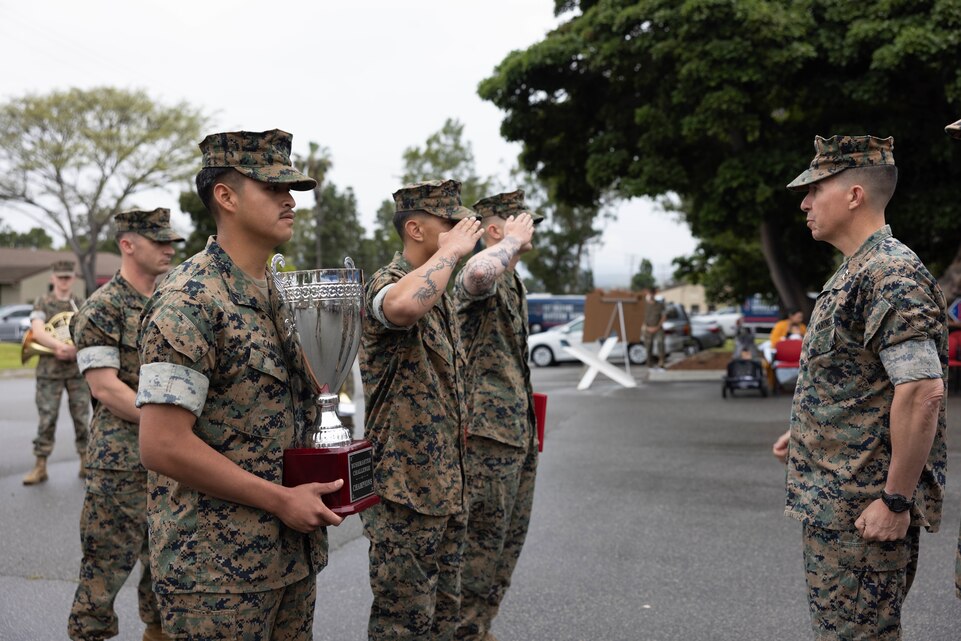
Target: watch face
pixel 896 502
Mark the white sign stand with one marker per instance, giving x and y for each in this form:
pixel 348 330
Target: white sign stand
pixel 598 363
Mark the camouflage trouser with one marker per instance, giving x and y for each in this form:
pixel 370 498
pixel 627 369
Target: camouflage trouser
pixel 415 566
pixel 48 407
pixel 957 570
pixel 284 614
pixel 500 481
pixel 856 587
pixel 113 536
pixel 649 340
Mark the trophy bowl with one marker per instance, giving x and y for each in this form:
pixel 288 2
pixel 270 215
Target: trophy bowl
pixel 323 309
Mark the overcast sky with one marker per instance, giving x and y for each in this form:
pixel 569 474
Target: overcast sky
pixel 364 78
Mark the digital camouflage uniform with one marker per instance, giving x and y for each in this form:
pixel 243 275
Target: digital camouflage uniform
pixel 113 523
pixel 501 461
pixel 871 320
pixel 53 375
pixel 954 130
pixel 416 420
pixel 210 344
pixel 654 314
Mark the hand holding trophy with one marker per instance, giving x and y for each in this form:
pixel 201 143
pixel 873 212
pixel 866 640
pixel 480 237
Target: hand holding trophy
pixel 324 308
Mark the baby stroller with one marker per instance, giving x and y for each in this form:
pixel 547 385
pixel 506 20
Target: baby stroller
pixel 745 370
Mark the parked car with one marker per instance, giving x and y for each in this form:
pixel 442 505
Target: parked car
pixel 727 318
pixel 547 348
pixel 706 333
pixel 14 322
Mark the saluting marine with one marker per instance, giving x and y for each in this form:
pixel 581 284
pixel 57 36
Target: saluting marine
pixel 412 363
pixel 501 460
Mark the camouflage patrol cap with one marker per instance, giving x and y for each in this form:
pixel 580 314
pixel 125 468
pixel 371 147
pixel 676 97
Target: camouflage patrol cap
pixel 837 153
pixel 64 268
pixel 261 155
pixel 504 205
pixel 154 225
pixel 954 129
pixel 438 197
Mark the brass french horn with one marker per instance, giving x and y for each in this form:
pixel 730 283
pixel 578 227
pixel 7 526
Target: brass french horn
pixel 58 327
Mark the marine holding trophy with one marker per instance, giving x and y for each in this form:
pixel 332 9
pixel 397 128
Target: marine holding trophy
pixel 233 552
pixel 412 363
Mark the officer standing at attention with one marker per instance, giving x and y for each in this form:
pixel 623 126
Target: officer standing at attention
pixel 865 451
pixel 234 554
pixel 954 130
pixel 55 372
pixel 501 460
pixel 412 363
pixel 655 313
pixel 113 523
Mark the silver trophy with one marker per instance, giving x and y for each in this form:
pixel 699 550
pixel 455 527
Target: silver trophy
pixel 325 309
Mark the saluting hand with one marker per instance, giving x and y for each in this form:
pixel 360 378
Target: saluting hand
pixel 462 238
pixel 304 509
pixel 520 227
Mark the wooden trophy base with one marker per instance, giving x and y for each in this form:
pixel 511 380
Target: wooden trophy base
pixel 352 462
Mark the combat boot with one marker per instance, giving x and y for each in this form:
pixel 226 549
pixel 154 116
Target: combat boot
pixel 39 472
pixel 154 633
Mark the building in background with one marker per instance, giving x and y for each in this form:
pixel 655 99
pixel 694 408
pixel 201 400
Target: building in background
pixel 25 273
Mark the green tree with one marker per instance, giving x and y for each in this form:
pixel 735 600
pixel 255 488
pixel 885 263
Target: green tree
pixel 562 241
pixel 717 102
pixel 340 235
pixel 445 154
pixel 203 223
pixel 35 238
pixel 72 159
pixel 644 278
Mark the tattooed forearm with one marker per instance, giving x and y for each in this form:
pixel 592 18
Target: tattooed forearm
pixel 427 293
pixel 481 275
pixel 506 250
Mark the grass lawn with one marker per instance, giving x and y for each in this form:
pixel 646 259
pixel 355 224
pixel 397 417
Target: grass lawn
pixel 10 357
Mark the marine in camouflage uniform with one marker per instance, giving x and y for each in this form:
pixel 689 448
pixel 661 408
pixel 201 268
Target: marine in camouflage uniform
pixel 655 313
pixel 954 130
pixel 412 363
pixel 234 554
pixel 501 461
pixel 113 522
pixel 867 422
pixel 54 375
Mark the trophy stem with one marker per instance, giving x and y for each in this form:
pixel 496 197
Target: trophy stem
pixel 328 431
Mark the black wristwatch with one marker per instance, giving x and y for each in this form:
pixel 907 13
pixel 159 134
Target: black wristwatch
pixel 896 502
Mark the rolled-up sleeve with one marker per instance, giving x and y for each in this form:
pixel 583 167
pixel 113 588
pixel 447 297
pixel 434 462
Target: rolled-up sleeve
pixel 171 384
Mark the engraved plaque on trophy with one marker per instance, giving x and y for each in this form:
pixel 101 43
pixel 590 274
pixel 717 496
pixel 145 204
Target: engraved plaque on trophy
pixel 324 309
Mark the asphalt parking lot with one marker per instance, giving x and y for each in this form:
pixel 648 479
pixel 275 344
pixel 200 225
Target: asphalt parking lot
pixel 657 517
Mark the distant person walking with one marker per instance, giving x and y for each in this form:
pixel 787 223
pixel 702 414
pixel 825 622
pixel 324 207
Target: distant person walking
pixel 865 451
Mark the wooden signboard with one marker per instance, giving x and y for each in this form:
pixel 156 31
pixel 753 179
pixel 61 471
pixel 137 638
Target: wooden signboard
pixel 601 317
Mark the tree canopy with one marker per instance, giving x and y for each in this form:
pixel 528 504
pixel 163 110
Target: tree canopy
pixel 74 158
pixel 717 103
